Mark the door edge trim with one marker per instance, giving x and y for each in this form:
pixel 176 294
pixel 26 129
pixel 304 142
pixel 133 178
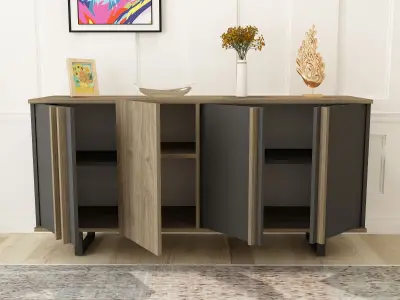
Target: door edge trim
pixel 63 173
pixel 55 172
pixel 323 176
pixel 254 231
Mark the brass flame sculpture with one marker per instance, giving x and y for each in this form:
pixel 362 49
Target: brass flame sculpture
pixel 310 64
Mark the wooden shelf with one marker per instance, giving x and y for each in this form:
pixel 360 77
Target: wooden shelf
pixel 96 158
pixel 288 218
pixel 178 150
pixel 288 156
pixel 109 158
pixel 105 218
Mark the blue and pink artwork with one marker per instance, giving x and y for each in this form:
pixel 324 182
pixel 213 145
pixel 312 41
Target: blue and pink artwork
pixel 107 12
pixel 115 15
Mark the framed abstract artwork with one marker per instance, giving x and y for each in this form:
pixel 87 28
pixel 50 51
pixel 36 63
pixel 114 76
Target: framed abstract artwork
pixel 82 77
pixel 114 15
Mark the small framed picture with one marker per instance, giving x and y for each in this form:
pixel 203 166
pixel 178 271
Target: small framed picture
pixel 114 15
pixel 82 77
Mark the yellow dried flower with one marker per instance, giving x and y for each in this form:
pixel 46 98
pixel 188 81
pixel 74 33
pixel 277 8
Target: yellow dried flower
pixel 242 39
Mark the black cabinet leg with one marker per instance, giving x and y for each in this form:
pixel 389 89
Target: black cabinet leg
pixel 307 236
pixel 320 249
pixel 83 243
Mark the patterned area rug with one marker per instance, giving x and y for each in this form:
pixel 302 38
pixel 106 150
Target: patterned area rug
pixel 198 282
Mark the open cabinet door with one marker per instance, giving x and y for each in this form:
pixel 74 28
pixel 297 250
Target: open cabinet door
pixel 138 138
pixel 45 158
pixel 67 178
pixel 231 155
pixel 339 168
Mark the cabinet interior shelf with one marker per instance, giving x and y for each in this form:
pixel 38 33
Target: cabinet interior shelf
pixel 98 218
pixel 105 218
pixel 96 158
pixel 288 156
pixel 286 217
pixel 178 150
pixel 109 158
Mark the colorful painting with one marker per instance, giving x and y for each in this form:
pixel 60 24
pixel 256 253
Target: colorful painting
pixel 82 77
pixel 115 15
pixel 114 12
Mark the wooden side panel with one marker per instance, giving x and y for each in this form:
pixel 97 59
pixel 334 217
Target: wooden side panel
pixel 139 176
pixel 63 173
pixel 55 172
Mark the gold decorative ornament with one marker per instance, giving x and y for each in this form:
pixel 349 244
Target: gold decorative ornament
pixel 310 64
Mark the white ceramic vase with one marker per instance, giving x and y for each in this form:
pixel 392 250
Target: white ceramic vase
pixel 241 78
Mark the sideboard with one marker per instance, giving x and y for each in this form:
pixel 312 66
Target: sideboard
pixel 141 166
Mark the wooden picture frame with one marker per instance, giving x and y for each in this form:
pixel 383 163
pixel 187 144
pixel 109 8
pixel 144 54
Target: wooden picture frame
pixel 82 75
pixel 115 16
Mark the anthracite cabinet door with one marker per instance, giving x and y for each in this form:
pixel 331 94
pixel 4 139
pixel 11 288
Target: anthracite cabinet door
pixel 69 182
pixel 339 170
pixel 231 155
pixel 55 170
pixel 42 157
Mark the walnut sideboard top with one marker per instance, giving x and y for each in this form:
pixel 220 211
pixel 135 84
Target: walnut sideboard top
pixel 251 100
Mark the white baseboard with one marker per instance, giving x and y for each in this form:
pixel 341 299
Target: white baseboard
pixel 383 225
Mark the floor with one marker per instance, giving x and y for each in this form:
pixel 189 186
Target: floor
pixel 287 249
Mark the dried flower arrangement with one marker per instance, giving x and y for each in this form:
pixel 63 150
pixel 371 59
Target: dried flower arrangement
pixel 242 39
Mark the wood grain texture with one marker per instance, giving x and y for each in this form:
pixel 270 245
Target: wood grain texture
pixel 240 252
pixel 285 249
pixel 55 172
pixel 251 100
pixel 198 141
pixel 322 176
pixel 139 162
pixel 254 196
pixel 63 173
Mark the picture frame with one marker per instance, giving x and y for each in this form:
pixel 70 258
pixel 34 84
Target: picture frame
pixel 114 16
pixel 82 74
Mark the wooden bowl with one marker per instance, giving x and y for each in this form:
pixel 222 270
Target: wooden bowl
pixel 180 92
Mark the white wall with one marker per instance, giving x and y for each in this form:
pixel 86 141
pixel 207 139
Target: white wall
pixel 359 40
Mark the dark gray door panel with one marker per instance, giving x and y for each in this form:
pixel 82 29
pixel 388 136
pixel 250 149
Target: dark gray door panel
pixel 72 179
pixel 225 171
pixel 43 176
pixel 345 168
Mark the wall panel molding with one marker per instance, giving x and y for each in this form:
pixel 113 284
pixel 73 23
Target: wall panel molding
pixel 366 47
pixel 289 42
pixel 385 117
pixel 389 48
pixel 382 173
pixel 38 48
